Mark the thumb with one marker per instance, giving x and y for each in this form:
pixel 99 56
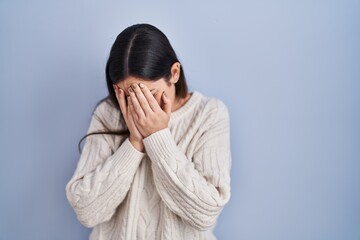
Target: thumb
pixel 166 103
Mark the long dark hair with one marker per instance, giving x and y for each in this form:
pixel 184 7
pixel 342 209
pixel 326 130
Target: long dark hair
pixel 142 51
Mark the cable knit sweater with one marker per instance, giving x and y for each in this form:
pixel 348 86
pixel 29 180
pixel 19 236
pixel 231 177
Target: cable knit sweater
pixel 176 189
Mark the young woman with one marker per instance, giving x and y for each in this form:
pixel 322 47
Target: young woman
pixel 156 160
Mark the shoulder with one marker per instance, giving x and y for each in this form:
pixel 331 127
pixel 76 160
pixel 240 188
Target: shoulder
pixel 212 107
pixel 104 107
pixel 213 123
pixel 107 113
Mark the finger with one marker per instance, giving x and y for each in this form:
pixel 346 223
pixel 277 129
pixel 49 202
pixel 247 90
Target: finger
pixel 136 107
pixel 166 103
pixel 129 110
pixel 135 110
pixel 122 102
pixel 141 99
pixel 150 98
pixel 120 96
pixel 130 118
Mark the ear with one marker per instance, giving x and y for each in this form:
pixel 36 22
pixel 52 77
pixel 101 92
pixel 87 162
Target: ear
pixel 175 72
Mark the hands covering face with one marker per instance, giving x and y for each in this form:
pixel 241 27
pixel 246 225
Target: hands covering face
pixel 142 113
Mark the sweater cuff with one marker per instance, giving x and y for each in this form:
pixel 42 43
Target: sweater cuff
pixel 160 145
pixel 128 156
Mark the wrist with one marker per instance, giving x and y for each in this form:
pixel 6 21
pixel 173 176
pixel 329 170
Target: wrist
pixel 155 130
pixel 138 145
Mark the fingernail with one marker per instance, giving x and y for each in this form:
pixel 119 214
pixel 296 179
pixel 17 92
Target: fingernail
pixel 134 86
pixel 120 91
pixel 141 85
pixel 165 94
pixel 130 90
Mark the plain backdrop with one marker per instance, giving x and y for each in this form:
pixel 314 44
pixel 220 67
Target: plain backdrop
pixel 289 72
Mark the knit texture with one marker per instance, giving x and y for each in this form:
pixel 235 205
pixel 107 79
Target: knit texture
pixel 175 190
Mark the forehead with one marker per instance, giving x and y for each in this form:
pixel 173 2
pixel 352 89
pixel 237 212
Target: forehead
pixel 126 83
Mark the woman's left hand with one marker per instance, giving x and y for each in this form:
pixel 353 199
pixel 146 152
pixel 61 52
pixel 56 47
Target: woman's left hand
pixel 148 116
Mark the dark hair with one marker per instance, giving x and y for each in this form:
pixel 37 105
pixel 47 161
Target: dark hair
pixel 142 51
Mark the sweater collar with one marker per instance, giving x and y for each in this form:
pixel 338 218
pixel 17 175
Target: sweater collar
pixel 178 113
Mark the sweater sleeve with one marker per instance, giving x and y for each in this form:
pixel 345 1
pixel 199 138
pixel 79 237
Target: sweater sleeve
pixel 195 189
pixel 102 177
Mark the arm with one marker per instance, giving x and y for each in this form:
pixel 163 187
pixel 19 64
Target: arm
pixel 195 189
pixel 102 178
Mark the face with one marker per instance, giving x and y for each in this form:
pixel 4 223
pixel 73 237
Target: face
pixel 156 87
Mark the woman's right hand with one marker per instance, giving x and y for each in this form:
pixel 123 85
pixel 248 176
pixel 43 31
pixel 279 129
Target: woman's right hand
pixel 135 138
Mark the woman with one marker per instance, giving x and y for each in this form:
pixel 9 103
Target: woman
pixel 156 160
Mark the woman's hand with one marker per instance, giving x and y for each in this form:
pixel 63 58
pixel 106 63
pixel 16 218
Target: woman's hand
pixel 135 136
pixel 148 116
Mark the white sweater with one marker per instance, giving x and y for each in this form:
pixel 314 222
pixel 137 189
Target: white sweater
pixel 175 190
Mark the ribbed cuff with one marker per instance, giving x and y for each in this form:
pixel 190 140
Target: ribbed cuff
pixel 128 156
pixel 160 145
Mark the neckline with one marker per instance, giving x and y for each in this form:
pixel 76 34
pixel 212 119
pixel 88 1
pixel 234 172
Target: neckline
pixel 184 108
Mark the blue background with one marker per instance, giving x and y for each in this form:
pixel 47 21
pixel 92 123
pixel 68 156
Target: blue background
pixel 289 72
